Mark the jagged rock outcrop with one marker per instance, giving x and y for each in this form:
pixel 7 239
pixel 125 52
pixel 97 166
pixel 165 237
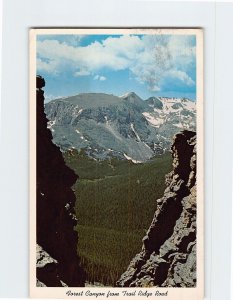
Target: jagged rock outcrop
pixel 57 260
pixel 168 255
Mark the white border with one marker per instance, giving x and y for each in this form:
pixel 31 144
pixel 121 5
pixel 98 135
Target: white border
pixel 196 293
pixel 18 17
pixel 0 58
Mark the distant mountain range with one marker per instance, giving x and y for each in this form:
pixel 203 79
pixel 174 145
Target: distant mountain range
pixel 126 127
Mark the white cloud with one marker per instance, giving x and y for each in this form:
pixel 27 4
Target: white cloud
pixel 82 72
pixel 99 77
pixel 182 76
pixel 149 58
pixel 50 66
pixel 73 39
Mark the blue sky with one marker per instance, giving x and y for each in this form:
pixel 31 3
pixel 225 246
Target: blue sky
pixel 149 65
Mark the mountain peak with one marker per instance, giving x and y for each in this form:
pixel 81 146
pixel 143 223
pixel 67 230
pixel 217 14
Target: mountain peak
pixel 130 95
pixel 154 102
pixel 134 101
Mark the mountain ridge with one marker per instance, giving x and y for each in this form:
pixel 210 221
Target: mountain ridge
pixel 127 125
pixel 119 96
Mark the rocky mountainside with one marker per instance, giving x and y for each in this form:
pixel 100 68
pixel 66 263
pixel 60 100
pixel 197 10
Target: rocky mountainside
pixel 126 127
pixel 57 260
pixel 168 255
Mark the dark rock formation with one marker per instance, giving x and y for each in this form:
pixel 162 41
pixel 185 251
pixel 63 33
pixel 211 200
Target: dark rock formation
pixel 168 255
pixel 57 260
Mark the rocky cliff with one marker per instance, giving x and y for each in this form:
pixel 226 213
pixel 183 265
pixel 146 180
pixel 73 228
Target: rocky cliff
pixel 168 255
pixel 57 260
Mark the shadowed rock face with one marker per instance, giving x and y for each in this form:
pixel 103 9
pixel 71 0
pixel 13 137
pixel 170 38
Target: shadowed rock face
pixel 57 260
pixel 168 256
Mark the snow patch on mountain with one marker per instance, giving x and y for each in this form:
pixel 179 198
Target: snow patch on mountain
pixel 179 125
pixel 80 111
pixel 156 122
pixel 133 160
pixel 81 136
pixel 177 104
pixel 50 124
pixel 137 136
pixel 146 145
pixel 125 95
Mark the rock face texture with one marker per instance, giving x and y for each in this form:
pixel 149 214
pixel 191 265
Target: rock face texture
pixel 168 255
pixel 57 260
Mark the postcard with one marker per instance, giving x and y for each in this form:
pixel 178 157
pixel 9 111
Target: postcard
pixel 116 163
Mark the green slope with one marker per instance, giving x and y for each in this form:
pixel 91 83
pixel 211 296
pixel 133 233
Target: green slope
pixel 115 205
